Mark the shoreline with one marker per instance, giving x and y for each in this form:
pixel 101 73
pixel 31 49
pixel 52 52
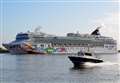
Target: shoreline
pixel 2 50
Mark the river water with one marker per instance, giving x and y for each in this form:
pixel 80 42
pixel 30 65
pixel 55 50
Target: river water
pixel 57 69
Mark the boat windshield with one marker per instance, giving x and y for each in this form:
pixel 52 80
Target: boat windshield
pixel 80 53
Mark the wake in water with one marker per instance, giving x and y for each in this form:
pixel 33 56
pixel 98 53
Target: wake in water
pixel 101 64
pixel 88 65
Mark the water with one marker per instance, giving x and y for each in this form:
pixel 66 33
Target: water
pixel 57 69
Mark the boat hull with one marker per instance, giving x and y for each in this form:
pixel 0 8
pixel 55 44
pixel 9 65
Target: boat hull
pixel 80 60
pixel 23 48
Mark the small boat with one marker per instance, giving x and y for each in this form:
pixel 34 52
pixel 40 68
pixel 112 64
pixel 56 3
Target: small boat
pixel 82 58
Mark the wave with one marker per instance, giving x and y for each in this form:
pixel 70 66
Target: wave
pixel 88 64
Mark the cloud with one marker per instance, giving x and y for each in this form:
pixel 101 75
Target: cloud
pixel 110 25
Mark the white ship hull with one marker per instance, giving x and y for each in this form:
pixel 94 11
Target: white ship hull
pixel 59 50
pixel 75 50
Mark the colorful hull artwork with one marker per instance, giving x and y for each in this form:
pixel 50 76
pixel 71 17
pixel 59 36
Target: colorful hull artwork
pixel 48 50
pixel 51 50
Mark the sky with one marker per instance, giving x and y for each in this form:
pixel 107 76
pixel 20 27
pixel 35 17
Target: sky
pixel 59 17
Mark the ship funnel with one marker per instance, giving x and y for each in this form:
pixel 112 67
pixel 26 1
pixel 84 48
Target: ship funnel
pixel 96 31
pixel 37 29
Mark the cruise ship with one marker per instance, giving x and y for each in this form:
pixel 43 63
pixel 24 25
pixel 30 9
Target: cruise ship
pixel 38 42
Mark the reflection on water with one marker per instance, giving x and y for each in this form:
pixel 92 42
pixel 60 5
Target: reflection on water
pixel 57 69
